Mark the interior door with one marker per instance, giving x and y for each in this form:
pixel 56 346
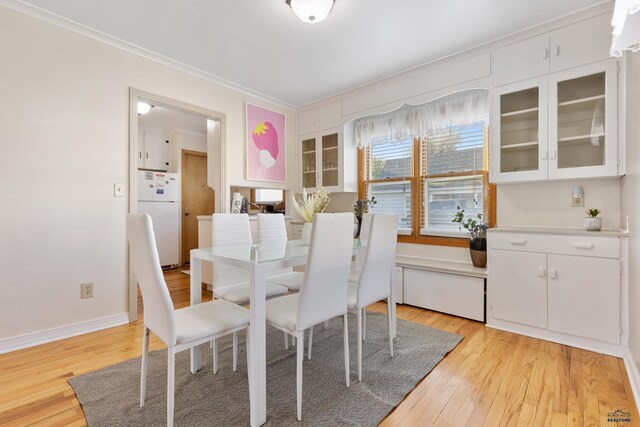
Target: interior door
pixel 197 198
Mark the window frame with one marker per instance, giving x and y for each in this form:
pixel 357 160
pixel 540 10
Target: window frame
pixel 417 193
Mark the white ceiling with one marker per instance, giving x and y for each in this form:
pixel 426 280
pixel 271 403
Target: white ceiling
pixel 166 119
pixel 262 46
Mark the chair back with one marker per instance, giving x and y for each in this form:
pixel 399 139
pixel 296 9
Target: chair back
pixel 380 257
pixel 323 294
pixel 364 237
pixel 158 308
pixel 272 233
pixel 232 232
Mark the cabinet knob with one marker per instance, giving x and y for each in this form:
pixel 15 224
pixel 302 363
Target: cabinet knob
pixel 541 271
pixel 553 273
pixel 552 154
pixel 556 50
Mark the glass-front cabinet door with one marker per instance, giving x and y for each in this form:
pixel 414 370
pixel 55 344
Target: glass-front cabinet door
pixel 308 162
pixel 519 143
pixel 582 124
pixel 330 160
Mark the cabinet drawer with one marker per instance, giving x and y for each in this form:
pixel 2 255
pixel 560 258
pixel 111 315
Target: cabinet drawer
pixel 596 246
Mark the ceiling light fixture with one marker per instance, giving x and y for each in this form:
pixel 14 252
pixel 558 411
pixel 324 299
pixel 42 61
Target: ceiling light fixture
pixel 311 11
pixel 144 108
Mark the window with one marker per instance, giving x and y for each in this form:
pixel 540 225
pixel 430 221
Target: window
pixel 452 173
pixel 390 172
pixel 423 162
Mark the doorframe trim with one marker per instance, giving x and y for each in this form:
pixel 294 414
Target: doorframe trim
pixel 216 174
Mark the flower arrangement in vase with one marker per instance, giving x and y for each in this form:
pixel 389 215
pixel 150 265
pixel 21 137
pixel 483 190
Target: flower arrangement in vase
pixel 308 205
pixel 478 231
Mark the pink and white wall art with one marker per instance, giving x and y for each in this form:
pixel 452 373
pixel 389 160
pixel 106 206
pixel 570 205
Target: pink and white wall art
pixel 265 145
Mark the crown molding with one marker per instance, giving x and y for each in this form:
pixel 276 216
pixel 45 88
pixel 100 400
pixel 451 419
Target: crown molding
pixel 67 24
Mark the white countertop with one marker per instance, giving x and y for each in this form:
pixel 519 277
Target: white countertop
pixel 551 230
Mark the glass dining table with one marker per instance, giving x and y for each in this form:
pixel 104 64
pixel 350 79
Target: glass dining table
pixel 259 260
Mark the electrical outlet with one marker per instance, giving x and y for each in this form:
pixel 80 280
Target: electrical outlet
pixel 86 290
pixel 577 202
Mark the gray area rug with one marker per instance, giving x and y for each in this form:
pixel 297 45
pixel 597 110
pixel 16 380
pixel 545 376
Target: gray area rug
pixel 110 396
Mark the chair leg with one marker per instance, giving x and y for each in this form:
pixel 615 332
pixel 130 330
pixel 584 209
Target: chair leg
pixel 390 321
pixel 364 324
pixel 346 348
pixel 145 365
pixel 359 316
pixel 214 350
pixel 300 344
pixel 286 341
pixel 171 366
pixel 249 367
pixel 326 325
pixel 310 342
pixel 235 351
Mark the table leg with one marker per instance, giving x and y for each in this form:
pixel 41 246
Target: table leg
pixel 257 346
pixel 196 298
pixel 392 306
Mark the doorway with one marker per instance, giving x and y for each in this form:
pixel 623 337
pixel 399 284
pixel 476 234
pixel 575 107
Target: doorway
pixel 197 198
pixel 210 169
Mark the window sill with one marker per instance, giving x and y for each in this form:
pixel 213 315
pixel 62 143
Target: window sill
pixel 460 242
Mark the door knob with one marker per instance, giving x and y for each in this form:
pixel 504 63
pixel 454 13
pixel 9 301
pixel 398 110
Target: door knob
pixel 186 213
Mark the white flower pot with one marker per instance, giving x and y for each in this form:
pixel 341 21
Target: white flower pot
pixel 306 233
pixel 593 224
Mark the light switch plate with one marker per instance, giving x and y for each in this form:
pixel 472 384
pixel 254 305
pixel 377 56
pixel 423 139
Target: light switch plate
pixel 118 190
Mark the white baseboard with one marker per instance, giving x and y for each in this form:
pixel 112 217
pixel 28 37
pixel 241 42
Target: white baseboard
pixel 633 374
pixel 42 337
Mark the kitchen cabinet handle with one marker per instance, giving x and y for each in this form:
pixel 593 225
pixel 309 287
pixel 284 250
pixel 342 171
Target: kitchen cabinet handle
pixel 552 154
pixel 582 245
pixel 546 54
pixel 146 155
pixel 517 241
pixel 556 50
pixel 139 154
pixel 541 271
pixel 543 155
pixel 553 273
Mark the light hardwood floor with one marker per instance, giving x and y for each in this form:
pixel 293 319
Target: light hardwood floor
pixel 492 378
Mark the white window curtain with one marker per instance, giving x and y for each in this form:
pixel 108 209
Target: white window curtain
pixel 626 27
pixel 458 109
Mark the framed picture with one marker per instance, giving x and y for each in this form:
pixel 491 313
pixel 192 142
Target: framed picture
pixel 265 145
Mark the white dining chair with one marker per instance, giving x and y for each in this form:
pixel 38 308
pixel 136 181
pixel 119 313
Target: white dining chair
pixel 375 277
pixel 323 294
pixel 356 266
pixel 179 329
pixel 233 233
pixel 272 230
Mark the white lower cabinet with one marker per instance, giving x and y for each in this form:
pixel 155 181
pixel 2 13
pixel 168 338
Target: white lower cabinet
pixel 584 297
pixel 563 288
pixel 519 287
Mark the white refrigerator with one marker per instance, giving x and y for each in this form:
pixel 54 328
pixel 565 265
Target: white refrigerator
pixel 159 196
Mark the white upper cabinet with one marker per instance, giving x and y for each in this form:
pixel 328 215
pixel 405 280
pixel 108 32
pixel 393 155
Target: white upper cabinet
pixel 583 122
pixel 571 46
pixel 326 162
pixel 153 150
pixel 321 118
pixel 581 43
pixel 521 61
pixel 563 126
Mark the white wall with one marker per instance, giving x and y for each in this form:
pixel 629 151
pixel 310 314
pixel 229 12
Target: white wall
pixel 181 140
pixel 64 115
pixel 631 200
pixel 548 204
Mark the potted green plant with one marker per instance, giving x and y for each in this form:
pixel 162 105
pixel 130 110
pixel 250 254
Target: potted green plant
pixel 478 231
pixel 360 208
pixel 308 205
pixel 593 222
